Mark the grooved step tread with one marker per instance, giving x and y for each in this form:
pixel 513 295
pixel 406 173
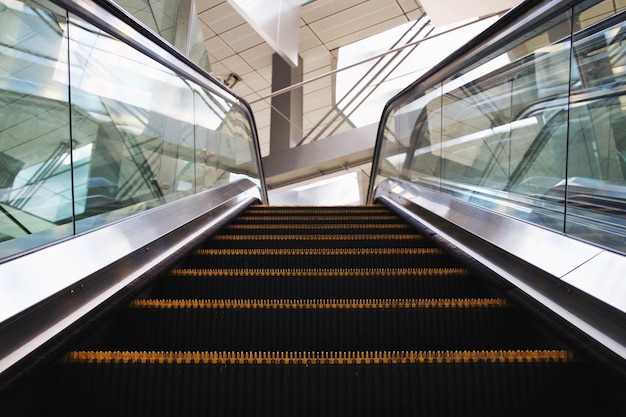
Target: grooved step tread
pixel 317 358
pixel 303 226
pixel 315 272
pixel 262 218
pixel 317 210
pixel 319 251
pixel 320 304
pixel 353 237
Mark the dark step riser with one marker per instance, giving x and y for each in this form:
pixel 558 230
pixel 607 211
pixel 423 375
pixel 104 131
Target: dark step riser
pixel 321 261
pixel 339 243
pixel 319 287
pixel 234 329
pixel 518 389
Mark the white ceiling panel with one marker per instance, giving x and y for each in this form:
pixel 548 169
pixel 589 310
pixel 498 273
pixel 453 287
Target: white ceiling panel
pixel 316 101
pixel 241 38
pixel 221 18
pixel 255 81
pixel 259 56
pixel 408 5
pixel 321 9
pixel 367 32
pixel 266 72
pixel 216 47
pixel 315 58
pixel 308 39
pixel 322 83
pixel 202 5
pixel 237 64
pixel 207 32
pixel 243 90
pixel 354 20
pixel 219 69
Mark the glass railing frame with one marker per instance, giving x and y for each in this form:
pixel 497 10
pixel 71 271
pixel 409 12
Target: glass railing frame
pixel 509 27
pixel 144 241
pixel 131 31
pixel 117 23
pixel 595 307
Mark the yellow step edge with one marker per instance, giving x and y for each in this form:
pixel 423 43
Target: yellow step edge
pixel 302 210
pixel 260 226
pixel 319 251
pixel 319 358
pixel 299 304
pixel 314 272
pixel 294 206
pixel 319 237
pixel 245 217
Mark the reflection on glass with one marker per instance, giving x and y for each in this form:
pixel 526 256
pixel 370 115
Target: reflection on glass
pixel 224 138
pixel 135 136
pixel 134 118
pixel 596 184
pixel 536 130
pixel 35 176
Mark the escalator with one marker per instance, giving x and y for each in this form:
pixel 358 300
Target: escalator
pixel 321 311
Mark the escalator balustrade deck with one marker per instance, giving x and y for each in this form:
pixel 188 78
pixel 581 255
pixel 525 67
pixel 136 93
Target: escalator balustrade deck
pixel 323 311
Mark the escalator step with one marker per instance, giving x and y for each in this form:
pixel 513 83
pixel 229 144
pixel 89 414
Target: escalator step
pixel 322 311
pixel 409 383
pixel 426 257
pixel 328 241
pixel 316 219
pixel 424 324
pixel 318 210
pixel 304 229
pixel 318 283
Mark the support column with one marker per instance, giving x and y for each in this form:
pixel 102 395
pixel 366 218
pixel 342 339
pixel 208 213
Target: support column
pixel 286 115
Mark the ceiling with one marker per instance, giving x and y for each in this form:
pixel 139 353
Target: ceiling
pixel 325 25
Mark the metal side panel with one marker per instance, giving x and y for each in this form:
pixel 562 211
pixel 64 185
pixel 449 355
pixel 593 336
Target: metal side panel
pixel 581 283
pixel 44 292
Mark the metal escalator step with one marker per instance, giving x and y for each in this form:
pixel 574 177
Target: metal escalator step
pixel 324 237
pixel 328 241
pixel 344 211
pixel 316 283
pixel 421 257
pixel 318 251
pixel 313 311
pixel 336 324
pixel 363 384
pixel 322 304
pixel 320 358
pixel 319 272
pixel 308 219
pixel 302 226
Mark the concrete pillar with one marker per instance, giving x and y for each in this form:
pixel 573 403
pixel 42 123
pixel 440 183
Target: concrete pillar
pixel 286 115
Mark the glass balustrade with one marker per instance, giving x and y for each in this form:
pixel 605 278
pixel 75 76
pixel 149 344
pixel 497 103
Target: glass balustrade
pixel 535 129
pixel 92 130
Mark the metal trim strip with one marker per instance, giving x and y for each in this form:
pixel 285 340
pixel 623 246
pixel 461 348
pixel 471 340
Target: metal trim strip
pixel 588 280
pixel 44 292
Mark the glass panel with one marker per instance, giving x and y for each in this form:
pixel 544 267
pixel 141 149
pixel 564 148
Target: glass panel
pixel 132 124
pixel 596 185
pixel 224 139
pixel 123 139
pixel 496 123
pixel 423 129
pixel 160 16
pixel 535 129
pixel 35 174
